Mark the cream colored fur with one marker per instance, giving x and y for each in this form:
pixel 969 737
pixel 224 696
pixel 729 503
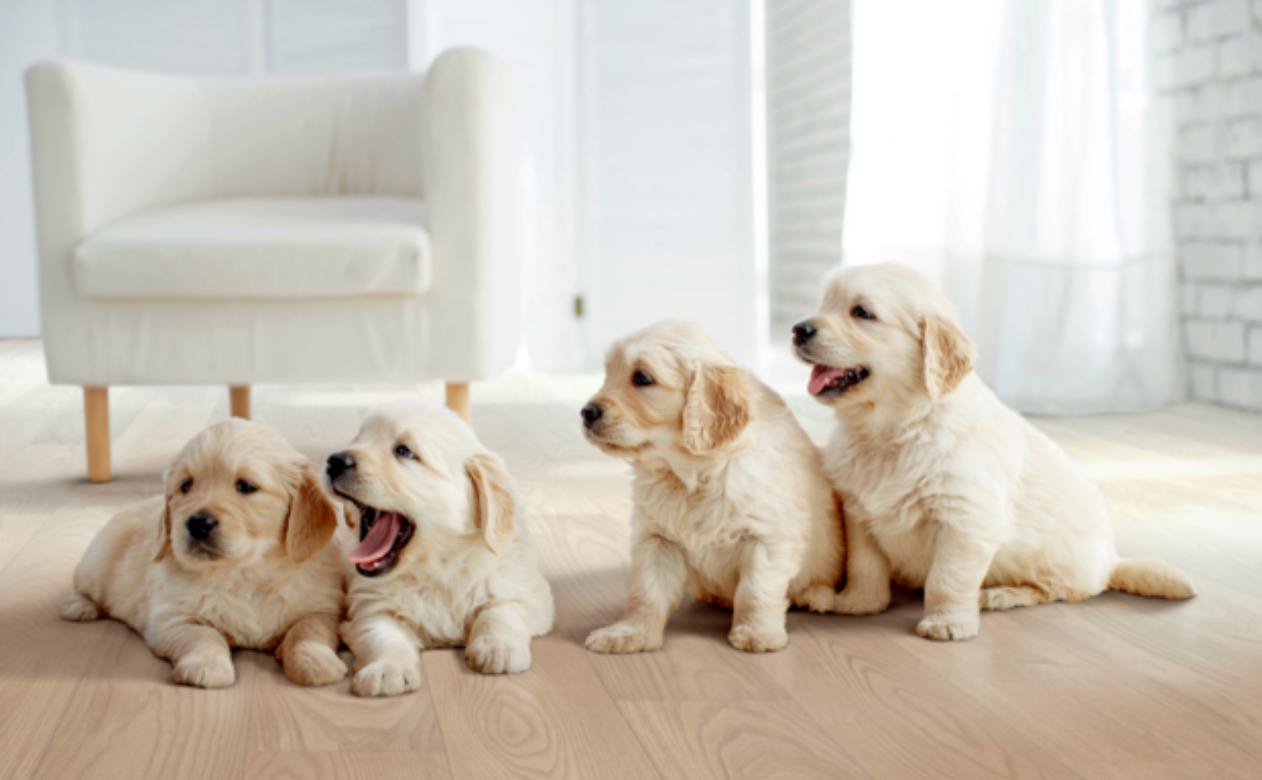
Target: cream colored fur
pixel 275 583
pixel 730 499
pixel 945 488
pixel 467 578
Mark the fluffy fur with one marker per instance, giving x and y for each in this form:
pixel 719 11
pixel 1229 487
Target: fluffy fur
pixel 945 487
pixel 465 575
pixel 265 578
pixel 730 497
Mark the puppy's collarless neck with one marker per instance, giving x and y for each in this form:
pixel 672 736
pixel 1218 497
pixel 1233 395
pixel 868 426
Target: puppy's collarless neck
pixel 689 472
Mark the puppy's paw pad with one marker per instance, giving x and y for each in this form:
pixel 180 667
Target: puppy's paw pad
pixel 750 640
pixel 855 603
pixel 493 655
pixel 78 607
pixel 205 672
pixel 816 598
pixel 313 664
pixel 948 628
pixel 622 638
pixel 385 679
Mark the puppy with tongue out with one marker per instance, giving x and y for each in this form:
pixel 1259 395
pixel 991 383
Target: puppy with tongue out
pixel 445 558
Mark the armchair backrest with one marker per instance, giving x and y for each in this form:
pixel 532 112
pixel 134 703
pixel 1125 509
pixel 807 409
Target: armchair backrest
pixel 315 137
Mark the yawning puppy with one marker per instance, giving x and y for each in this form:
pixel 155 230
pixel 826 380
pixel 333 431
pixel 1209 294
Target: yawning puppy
pixel 945 487
pixel 445 558
pixel 236 554
pixel 729 494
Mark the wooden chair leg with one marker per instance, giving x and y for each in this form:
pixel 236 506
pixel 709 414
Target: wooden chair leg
pixel 458 398
pixel 96 428
pixel 239 401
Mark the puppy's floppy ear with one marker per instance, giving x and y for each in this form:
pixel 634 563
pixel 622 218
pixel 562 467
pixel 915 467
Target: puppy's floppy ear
pixel 164 532
pixel 494 506
pixel 312 518
pixel 716 408
pixel 946 352
pixel 164 524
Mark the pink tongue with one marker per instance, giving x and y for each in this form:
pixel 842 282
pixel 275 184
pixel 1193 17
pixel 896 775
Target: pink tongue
pixel 820 377
pixel 379 540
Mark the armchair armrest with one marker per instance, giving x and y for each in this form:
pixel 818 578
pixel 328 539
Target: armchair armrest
pixel 472 172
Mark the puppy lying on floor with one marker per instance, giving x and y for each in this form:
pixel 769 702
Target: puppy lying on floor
pixel 729 493
pixel 236 554
pixel 945 487
pixel 445 557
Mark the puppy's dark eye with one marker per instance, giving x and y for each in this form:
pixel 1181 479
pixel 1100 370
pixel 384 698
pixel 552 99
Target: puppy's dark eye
pixel 860 313
pixel 402 451
pixel 245 488
pixel 641 379
pixel 186 485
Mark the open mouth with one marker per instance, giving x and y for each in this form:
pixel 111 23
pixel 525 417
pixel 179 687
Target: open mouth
pixel 382 536
pixel 827 380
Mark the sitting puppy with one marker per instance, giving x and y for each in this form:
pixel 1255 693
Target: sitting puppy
pixel 236 554
pixel 945 487
pixel 730 496
pixel 445 558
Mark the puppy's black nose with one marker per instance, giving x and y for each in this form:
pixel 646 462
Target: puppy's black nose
pixel 200 525
pixel 803 332
pixel 591 413
pixel 339 463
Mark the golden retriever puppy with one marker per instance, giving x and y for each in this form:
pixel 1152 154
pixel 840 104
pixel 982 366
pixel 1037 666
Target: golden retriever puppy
pixel 445 557
pixel 946 488
pixel 236 554
pixel 729 494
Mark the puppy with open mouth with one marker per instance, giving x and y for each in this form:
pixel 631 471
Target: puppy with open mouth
pixel 237 553
pixel 946 488
pixel 445 558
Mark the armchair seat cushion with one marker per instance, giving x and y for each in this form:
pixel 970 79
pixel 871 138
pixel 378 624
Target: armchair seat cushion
pixel 260 248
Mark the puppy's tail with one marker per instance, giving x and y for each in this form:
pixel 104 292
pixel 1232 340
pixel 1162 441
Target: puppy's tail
pixel 1151 577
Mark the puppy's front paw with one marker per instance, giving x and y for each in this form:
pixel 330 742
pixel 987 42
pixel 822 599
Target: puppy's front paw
pixel 856 602
pixel 205 671
pixel 313 664
pixel 951 627
pixel 382 678
pixel 816 598
pixel 78 607
pixel 622 637
pixel 490 654
pixel 748 639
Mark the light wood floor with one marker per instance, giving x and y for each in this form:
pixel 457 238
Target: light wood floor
pixel 1115 687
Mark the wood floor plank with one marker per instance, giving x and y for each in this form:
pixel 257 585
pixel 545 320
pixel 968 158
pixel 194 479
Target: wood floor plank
pixel 738 739
pixel 554 721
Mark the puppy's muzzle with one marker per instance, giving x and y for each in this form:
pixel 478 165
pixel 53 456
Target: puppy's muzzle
pixel 591 414
pixel 200 526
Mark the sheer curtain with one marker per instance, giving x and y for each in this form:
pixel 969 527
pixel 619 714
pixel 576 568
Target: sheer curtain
pixel 1015 152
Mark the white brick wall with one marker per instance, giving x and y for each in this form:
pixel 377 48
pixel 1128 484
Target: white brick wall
pixel 808 149
pixel 1207 59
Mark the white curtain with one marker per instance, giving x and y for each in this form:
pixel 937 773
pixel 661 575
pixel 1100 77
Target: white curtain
pixel 1015 152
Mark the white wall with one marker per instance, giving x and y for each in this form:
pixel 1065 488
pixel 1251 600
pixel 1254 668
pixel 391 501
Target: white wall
pixel 808 150
pixel 28 32
pixel 666 185
pixel 1210 55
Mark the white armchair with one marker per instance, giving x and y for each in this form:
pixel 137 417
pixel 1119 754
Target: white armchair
pixel 220 231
